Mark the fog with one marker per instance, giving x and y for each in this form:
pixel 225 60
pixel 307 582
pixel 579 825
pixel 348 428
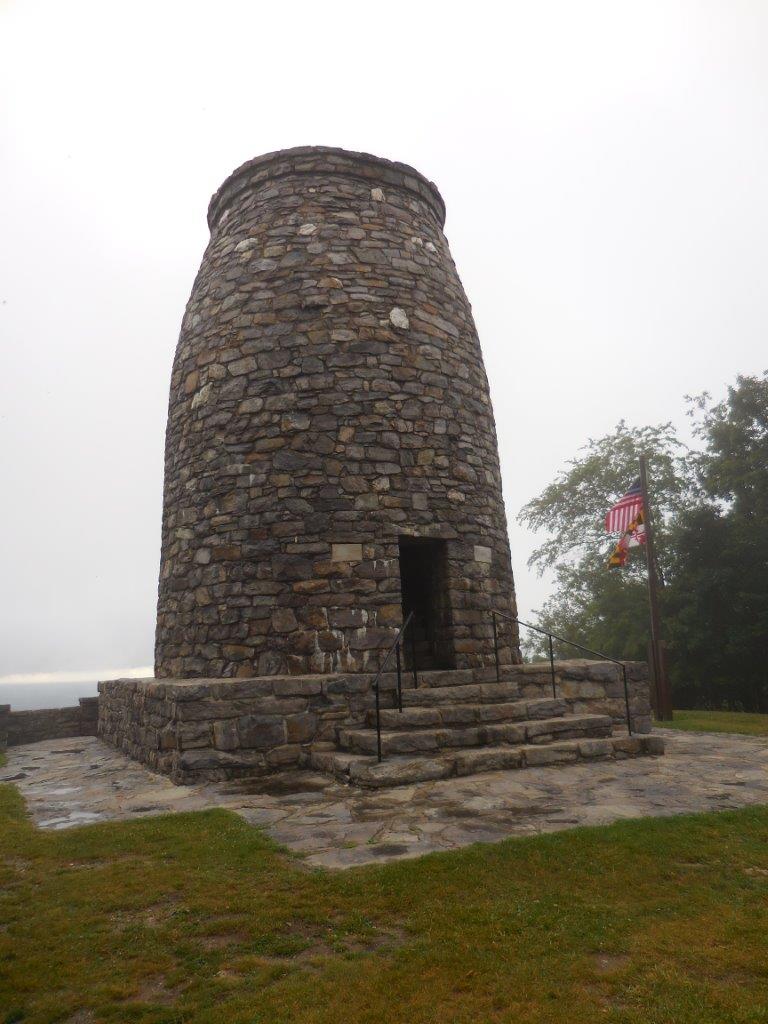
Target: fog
pixel 603 166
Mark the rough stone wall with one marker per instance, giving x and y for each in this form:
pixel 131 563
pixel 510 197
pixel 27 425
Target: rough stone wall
pixel 592 687
pixel 49 723
pixel 199 730
pixel 328 395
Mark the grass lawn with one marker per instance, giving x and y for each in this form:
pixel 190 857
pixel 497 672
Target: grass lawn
pixel 718 721
pixel 201 918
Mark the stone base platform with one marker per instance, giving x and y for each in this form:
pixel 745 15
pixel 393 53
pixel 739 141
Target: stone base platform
pixel 453 722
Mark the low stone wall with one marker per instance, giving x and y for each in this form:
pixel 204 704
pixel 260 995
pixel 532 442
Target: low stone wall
pixel 592 687
pixel 213 729
pixel 200 730
pixel 17 727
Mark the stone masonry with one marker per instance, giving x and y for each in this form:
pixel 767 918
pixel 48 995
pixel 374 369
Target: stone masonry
pixel 331 475
pixel 329 423
pixel 19 727
pixel 203 730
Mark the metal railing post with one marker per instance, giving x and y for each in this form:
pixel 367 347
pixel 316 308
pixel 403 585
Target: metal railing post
pixel 378 722
pixel 413 656
pixel 626 699
pixel 552 665
pixel 399 679
pixel 496 648
pixel 394 646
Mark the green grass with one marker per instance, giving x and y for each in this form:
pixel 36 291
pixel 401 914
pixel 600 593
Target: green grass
pixel 201 919
pixel 718 721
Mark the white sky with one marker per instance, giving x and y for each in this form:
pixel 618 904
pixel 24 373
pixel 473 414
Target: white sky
pixel 604 166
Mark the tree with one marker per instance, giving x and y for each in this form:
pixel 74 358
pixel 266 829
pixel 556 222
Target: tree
pixel 718 604
pixel 601 608
pixel 710 512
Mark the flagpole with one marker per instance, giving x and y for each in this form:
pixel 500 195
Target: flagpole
pixel 663 694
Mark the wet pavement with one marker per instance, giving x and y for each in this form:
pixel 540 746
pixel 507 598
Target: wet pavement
pixel 74 782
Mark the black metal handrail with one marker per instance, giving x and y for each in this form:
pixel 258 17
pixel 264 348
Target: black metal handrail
pixel 562 640
pixel 395 646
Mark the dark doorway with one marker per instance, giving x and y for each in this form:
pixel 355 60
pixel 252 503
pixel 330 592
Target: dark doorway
pixel 424 590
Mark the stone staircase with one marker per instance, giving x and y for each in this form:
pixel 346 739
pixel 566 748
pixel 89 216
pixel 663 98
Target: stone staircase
pixel 459 723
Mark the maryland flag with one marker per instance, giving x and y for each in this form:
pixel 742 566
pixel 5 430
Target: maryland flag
pixel 633 537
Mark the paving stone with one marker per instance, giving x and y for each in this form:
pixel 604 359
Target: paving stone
pixel 698 772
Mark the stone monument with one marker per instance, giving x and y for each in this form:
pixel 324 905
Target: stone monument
pixel 331 458
pixel 331 473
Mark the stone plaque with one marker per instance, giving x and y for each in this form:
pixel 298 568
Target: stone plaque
pixel 346 552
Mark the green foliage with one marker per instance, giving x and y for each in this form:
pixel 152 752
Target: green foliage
pixel 601 608
pixel 572 508
pixel 598 608
pixel 710 509
pixel 718 607
pixel 735 432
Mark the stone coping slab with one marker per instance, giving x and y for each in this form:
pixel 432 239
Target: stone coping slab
pixel 67 783
pixel 285 685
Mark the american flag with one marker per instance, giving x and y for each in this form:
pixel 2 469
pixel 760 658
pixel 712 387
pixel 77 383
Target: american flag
pixel 619 517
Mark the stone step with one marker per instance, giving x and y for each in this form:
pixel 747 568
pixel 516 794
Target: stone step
pixel 402 771
pixel 413 741
pixel 467 693
pixel 447 677
pixel 442 677
pixel 467 714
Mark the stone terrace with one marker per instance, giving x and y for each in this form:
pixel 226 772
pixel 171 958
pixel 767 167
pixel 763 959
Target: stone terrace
pixel 453 723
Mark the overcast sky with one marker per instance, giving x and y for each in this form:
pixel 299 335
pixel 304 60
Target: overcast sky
pixel 604 167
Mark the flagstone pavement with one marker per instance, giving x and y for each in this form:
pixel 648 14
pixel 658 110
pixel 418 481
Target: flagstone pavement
pixel 67 783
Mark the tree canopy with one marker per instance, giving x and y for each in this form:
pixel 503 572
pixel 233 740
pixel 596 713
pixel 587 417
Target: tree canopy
pixel 710 507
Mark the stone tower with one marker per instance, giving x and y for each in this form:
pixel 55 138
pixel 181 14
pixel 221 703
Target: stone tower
pixel 331 459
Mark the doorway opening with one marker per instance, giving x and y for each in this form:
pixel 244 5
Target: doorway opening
pixel 424 591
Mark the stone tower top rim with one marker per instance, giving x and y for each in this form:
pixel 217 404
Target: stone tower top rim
pixel 376 170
